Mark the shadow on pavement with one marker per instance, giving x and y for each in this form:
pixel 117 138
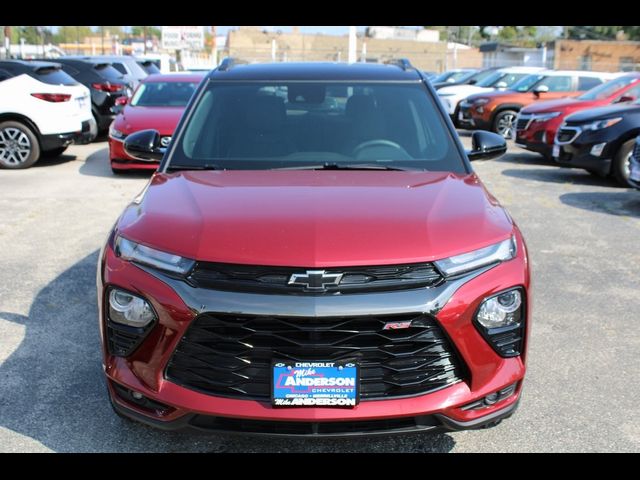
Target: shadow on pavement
pixel 626 204
pixel 562 175
pixel 518 156
pixel 52 388
pixel 51 161
pixel 97 165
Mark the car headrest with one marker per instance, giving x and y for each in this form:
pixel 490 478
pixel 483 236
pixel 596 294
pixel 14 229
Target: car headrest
pixel 360 106
pixel 266 113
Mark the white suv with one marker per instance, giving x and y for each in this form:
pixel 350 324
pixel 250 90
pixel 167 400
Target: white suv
pixel 42 111
pixel 500 79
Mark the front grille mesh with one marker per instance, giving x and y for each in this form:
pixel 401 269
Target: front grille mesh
pixel 270 279
pixel 231 356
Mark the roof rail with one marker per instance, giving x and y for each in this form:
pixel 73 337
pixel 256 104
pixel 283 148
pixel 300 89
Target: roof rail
pixel 403 63
pixel 228 63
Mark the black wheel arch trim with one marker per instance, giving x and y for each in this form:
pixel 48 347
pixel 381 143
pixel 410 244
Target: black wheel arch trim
pixel 17 117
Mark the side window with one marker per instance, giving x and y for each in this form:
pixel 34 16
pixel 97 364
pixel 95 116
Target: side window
pixel 587 83
pixel 121 68
pixel 557 83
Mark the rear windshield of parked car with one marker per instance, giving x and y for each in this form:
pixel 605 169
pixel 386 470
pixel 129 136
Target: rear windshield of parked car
pixel 107 71
pixel 287 125
pixel 609 88
pixel 53 76
pixel 163 94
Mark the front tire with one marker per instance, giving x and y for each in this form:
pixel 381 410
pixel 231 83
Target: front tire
pixel 19 146
pixel 621 165
pixel 505 123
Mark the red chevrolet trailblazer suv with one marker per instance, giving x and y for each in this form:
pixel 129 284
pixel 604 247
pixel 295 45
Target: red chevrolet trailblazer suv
pixel 314 256
pixel 537 124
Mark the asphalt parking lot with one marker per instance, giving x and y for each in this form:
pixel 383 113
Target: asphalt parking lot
pixel 580 395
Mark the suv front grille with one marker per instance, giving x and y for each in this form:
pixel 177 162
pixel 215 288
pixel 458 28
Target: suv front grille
pixel 268 279
pixel 523 122
pixel 567 134
pixel 228 355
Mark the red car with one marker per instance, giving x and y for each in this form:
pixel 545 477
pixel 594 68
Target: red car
pixel 315 256
pixel 537 124
pixel 157 103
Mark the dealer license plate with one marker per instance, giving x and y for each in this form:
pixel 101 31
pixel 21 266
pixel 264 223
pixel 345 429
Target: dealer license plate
pixel 315 384
pixel 556 151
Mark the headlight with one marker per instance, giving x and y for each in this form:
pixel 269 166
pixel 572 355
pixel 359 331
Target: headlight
pixel 600 124
pixel 129 309
pixel 117 134
pixel 501 310
pixel 499 252
pixel 480 101
pixel 543 117
pixel 138 253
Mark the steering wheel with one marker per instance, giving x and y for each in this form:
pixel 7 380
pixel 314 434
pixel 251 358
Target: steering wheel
pixel 377 143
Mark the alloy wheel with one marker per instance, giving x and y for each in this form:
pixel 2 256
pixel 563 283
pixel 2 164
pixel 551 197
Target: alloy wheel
pixel 505 125
pixel 15 146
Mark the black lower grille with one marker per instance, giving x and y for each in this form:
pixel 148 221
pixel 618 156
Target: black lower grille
pixel 402 424
pixel 231 356
pixel 123 339
pixel 273 279
pixel 566 135
pixel 522 123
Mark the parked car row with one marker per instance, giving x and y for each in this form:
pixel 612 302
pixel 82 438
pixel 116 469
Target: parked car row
pixel 576 119
pixel 45 105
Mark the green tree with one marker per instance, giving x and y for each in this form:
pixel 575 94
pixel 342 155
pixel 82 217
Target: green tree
pixel 138 31
pixel 606 32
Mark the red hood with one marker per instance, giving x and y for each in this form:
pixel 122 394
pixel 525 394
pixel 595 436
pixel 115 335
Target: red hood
pixel 563 105
pixel 315 218
pixel 163 119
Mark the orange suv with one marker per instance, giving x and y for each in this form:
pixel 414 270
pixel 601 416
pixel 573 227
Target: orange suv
pixel 497 111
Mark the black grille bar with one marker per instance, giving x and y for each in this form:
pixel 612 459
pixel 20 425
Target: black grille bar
pixel 269 279
pixel 228 355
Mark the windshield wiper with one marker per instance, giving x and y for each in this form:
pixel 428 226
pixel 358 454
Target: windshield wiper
pixel 208 166
pixel 351 166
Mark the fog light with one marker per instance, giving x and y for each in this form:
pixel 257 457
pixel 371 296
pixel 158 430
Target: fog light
pixel 499 311
pixel 500 319
pixel 597 149
pixel 491 399
pixel 129 309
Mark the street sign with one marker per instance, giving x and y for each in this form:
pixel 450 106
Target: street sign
pixel 182 38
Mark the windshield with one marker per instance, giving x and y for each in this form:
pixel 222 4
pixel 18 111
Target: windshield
pixel 608 89
pixel 501 77
pixel 107 71
pixel 163 94
pixel 453 76
pixel 481 76
pixel 278 125
pixel 526 83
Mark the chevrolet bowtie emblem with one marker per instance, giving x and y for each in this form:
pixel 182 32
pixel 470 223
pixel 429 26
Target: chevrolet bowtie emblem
pixel 315 279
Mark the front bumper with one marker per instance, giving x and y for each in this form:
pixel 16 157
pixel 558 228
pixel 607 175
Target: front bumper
pixel 177 304
pixel 578 155
pixel 469 118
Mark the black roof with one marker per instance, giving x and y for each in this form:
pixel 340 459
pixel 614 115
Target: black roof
pixel 310 71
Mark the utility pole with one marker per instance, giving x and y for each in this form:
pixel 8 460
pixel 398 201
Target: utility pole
pixel 7 41
pixel 352 45
pixel 102 36
pixel 214 45
pixel 144 34
pixel 565 32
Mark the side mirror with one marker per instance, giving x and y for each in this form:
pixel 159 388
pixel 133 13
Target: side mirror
pixel 625 98
pixel 144 145
pixel 540 89
pixel 501 85
pixel 473 82
pixel 486 145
